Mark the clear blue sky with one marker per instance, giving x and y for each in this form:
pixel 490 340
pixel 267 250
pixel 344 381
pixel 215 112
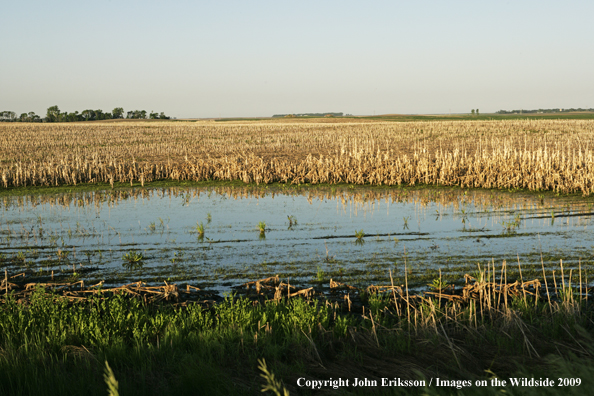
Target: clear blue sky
pixel 258 58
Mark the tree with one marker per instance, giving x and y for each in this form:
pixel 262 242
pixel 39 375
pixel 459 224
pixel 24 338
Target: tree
pixel 477 112
pixel 8 116
pixel 118 112
pixel 472 111
pixel 53 114
pixel 34 117
pixel 153 116
pixel 74 116
pixel 88 115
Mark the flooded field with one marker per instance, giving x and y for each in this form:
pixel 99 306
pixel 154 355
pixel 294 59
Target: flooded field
pixel 211 237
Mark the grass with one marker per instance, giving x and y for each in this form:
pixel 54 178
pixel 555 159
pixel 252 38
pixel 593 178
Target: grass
pixel 320 275
pixel 56 345
pixel 200 230
pixel 133 259
pixel 110 380
pixel 262 227
pixel 359 234
pixel 272 384
pixel 292 221
pixel 512 225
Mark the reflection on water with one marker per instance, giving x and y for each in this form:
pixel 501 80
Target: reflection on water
pixel 212 236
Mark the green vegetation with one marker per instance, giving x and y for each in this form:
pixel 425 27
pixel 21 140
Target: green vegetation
pixel 133 260
pixel 359 234
pixel 110 380
pixel 54 346
pixel 310 115
pixel 55 115
pixel 200 229
pixel 512 225
pixel 292 221
pixel 483 117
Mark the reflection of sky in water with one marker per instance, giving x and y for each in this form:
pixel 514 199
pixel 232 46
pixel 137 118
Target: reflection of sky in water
pixel 162 225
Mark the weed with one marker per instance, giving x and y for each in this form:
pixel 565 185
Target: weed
pixel 177 257
pixel 359 234
pixel 406 219
pixel 292 221
pixel 320 275
pixel 438 285
pixel 200 229
pixel 512 225
pixel 20 257
pixel 329 259
pixel 133 259
pixel 62 254
pixel 262 227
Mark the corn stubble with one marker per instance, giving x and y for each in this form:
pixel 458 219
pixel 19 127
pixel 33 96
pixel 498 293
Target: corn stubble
pixel 533 154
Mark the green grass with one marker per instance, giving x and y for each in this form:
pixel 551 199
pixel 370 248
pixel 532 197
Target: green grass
pixel 200 230
pixel 51 346
pixel 133 259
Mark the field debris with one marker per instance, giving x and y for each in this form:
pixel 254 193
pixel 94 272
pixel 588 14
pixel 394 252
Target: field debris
pixel 488 294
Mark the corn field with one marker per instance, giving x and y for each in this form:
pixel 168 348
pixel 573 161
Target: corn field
pixel 532 154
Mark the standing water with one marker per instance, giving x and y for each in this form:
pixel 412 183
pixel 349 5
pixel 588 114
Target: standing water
pixel 212 237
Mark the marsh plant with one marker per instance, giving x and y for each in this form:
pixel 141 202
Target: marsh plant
pixel 406 219
pixel 62 254
pixel 329 259
pixel 262 227
pixel 359 234
pixel 320 275
pixel 177 257
pixel 208 218
pixel 200 230
pixel 89 254
pixel 512 225
pixel 292 221
pixel 133 259
pixel 359 237
pixel 438 285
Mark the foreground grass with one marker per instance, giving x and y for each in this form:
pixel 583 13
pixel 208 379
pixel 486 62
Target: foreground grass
pixel 51 346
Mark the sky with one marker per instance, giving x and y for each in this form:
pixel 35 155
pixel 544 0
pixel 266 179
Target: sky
pixel 201 59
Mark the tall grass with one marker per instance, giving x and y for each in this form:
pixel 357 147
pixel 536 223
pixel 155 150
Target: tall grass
pixel 51 344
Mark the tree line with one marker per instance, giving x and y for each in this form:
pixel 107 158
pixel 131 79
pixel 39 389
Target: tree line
pixel 309 115
pixel 54 114
pixel 557 110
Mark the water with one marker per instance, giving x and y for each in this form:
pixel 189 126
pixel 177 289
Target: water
pixel 424 231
